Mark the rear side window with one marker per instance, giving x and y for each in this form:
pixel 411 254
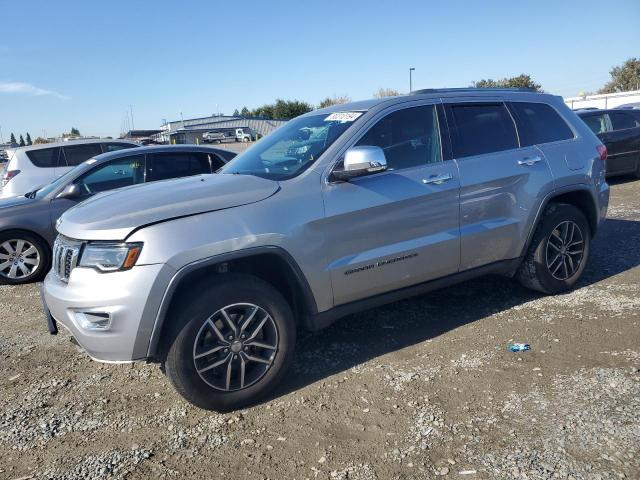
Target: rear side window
pixel 596 123
pixel 409 137
pixel 540 123
pixel 76 154
pixel 482 128
pixel 112 147
pixel 45 157
pixel 621 120
pixel 174 165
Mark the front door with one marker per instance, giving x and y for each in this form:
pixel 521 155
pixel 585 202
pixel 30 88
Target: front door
pixel 399 227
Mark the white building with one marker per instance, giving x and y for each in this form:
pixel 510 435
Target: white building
pixel 604 100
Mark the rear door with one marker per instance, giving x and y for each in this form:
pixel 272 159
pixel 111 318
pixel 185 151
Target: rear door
pixel 501 182
pixel 398 227
pixel 623 142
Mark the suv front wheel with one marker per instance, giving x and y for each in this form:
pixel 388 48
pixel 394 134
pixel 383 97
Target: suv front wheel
pixel 235 345
pixel 558 252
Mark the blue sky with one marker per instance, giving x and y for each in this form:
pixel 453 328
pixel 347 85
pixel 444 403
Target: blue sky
pixel 82 64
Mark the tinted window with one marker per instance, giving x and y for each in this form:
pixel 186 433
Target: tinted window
pixel 596 123
pixel 112 147
pixel 76 154
pixel 540 123
pixel 482 128
pixel 213 159
pixel 173 165
pixel 44 158
pixel 122 172
pixel 620 121
pixel 409 137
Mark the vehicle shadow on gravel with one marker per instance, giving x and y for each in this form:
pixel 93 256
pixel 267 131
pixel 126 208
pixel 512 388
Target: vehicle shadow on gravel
pixel 358 338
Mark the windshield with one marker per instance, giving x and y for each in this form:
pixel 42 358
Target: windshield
pixel 63 180
pixel 293 147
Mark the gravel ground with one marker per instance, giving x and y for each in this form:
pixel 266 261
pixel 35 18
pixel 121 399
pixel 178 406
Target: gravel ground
pixel 419 389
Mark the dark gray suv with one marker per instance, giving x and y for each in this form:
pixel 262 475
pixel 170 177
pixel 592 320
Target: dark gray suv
pixel 339 210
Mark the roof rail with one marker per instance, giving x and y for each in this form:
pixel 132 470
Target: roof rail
pixel 470 89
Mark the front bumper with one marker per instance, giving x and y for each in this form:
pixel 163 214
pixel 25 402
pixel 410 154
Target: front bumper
pixel 121 295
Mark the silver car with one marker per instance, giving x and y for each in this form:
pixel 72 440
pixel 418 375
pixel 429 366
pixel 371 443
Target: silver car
pixel 339 210
pixel 27 223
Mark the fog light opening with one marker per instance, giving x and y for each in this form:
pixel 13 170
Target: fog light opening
pixel 93 320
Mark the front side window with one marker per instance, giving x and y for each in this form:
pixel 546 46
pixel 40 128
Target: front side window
pixel 293 147
pixel 620 121
pixel 44 157
pixel 122 172
pixel 482 128
pixel 76 154
pixel 597 123
pixel 540 123
pixel 408 137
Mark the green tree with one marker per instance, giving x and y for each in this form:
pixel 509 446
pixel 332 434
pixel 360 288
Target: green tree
pixel 74 132
pixel 39 141
pixel 29 142
pixel 236 113
pixel 335 100
pixel 624 77
pixel 287 109
pixel 282 109
pixel 386 92
pixel 521 81
pixel 245 112
pixel 21 142
pixel 12 140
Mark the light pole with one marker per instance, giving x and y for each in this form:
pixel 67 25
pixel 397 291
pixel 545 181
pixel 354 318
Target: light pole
pixel 411 69
pixel 133 127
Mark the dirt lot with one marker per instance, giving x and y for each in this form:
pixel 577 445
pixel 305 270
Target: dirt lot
pixel 417 389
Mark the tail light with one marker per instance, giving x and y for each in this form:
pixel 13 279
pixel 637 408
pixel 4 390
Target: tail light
pixel 602 151
pixel 9 175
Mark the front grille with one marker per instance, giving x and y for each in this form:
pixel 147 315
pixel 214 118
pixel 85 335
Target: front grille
pixel 65 256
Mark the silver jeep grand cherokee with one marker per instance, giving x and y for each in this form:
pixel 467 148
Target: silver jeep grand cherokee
pixel 339 210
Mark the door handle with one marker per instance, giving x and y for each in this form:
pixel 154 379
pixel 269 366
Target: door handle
pixel 437 179
pixel 528 161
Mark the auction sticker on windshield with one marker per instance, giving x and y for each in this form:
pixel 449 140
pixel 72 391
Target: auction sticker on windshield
pixel 343 117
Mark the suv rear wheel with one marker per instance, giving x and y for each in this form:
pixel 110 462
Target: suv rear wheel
pixel 23 258
pixel 235 345
pixel 558 252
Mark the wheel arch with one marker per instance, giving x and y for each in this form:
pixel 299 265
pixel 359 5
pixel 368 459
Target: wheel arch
pixel 27 231
pixel 579 196
pixel 271 264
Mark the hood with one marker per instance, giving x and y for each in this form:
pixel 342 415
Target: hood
pixel 116 214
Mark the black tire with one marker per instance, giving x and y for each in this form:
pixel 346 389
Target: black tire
pixel 226 291
pixel 534 272
pixel 43 256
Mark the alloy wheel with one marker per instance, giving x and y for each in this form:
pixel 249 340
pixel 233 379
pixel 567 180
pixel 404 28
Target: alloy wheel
pixel 565 250
pixel 235 347
pixel 19 259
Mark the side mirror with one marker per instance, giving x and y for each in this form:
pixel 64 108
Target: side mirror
pixel 360 161
pixel 71 192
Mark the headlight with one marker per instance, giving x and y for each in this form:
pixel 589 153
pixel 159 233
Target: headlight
pixel 110 257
